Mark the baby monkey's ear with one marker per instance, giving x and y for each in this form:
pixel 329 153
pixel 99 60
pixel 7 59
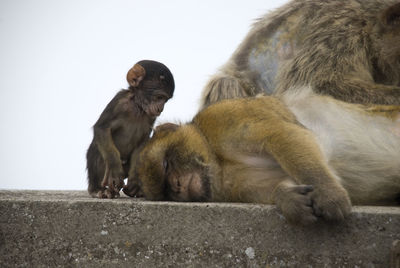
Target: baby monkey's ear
pixel 135 75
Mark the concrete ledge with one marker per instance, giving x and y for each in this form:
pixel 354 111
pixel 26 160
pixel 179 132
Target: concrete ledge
pixel 54 228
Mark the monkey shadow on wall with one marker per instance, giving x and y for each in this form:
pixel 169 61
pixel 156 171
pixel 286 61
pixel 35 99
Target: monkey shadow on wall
pixel 312 156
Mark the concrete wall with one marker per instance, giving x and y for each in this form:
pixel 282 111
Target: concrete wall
pixel 57 229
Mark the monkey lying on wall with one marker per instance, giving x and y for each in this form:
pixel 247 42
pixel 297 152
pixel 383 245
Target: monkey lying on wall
pixel 311 155
pixel 123 128
pixel 348 49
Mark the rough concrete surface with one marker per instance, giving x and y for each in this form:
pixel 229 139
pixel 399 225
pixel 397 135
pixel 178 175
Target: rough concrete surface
pixel 69 228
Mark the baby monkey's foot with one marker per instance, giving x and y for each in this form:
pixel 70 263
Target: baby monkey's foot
pixel 107 193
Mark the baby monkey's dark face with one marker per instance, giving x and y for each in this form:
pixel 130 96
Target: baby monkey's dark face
pixel 155 101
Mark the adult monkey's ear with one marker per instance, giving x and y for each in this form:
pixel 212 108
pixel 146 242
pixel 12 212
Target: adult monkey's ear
pixel 391 15
pixel 135 75
pixel 166 127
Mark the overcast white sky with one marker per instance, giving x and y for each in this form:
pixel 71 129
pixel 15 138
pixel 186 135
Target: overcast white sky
pixel 61 62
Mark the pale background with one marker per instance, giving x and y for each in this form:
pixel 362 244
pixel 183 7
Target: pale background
pixel 61 62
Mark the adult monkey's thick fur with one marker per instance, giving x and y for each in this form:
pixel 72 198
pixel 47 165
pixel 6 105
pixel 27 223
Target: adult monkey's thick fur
pixel 349 49
pixel 310 155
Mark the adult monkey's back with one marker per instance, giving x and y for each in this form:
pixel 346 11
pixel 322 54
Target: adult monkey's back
pixel 349 49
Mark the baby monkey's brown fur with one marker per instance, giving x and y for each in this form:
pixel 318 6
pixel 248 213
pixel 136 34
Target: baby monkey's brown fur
pixel 306 161
pixel 347 49
pixel 123 128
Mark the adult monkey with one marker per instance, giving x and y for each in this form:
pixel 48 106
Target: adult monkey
pixel 310 155
pixel 347 49
pixel 123 128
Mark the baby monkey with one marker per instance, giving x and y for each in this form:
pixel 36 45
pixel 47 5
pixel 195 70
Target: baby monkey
pixel 124 127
